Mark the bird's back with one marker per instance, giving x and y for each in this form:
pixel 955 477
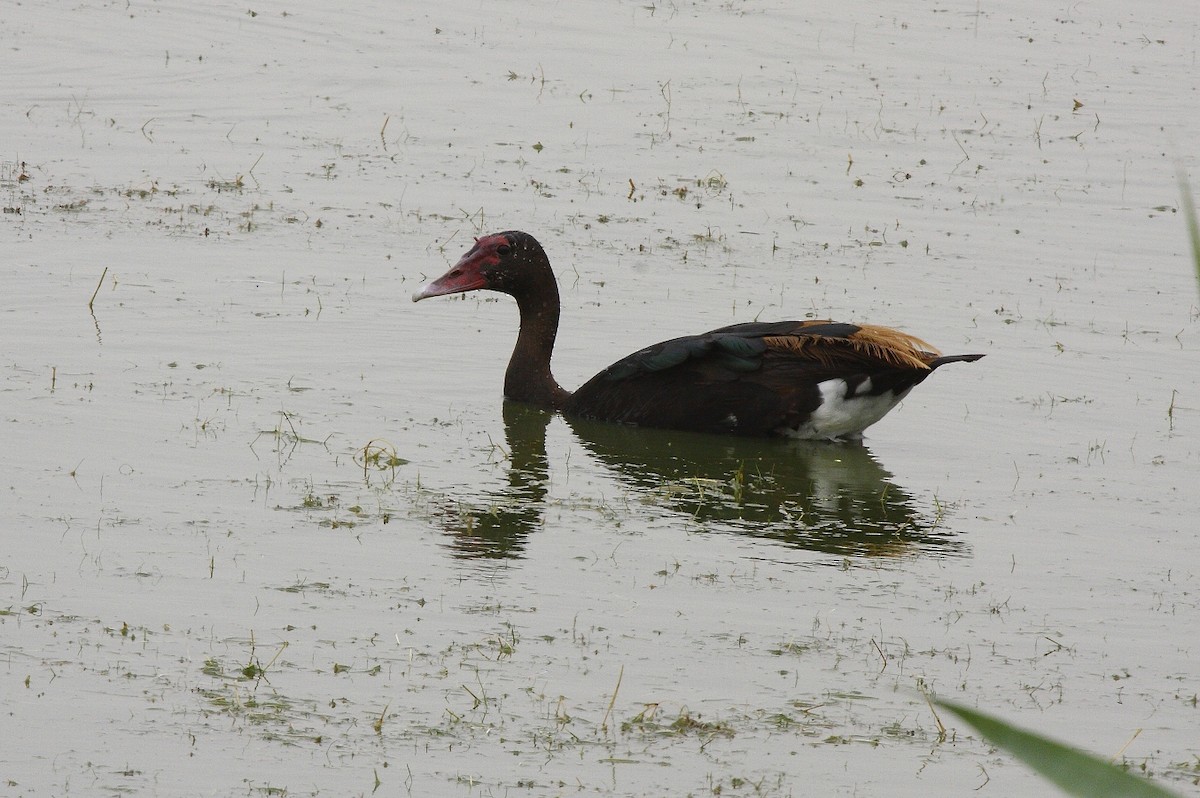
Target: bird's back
pixel 812 379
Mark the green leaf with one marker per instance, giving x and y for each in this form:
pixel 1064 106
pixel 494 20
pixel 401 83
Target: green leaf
pixel 1076 772
pixel 1189 212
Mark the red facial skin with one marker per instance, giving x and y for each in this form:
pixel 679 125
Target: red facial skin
pixel 469 273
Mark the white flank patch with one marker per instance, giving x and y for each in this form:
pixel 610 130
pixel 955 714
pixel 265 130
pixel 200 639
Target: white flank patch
pixel 839 417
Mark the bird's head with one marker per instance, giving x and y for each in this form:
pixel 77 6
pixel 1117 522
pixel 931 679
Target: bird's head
pixel 511 262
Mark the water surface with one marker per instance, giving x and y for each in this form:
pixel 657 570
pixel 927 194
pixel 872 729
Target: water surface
pixel 269 527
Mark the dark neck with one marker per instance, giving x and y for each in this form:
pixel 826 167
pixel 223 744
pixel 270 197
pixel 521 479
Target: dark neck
pixel 528 378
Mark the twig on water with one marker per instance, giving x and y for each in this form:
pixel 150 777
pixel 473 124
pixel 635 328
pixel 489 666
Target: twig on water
pixel 1121 752
pixel 941 726
pixel 93 299
pixel 612 701
pixel 881 655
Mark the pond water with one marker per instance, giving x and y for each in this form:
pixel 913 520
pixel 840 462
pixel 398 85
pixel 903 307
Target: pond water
pixel 268 527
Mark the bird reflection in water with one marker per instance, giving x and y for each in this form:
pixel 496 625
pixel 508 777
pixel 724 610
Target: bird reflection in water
pixel 499 529
pixel 831 498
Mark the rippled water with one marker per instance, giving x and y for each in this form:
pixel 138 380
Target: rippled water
pixel 269 527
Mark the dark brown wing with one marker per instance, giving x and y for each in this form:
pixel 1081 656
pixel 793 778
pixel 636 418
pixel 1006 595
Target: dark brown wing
pixel 754 378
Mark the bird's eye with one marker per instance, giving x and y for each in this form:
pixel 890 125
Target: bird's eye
pixel 504 250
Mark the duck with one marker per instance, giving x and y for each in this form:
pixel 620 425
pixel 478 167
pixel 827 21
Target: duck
pixel 809 379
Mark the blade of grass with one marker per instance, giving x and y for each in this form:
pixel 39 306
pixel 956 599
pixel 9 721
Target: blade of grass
pixel 1075 772
pixel 1189 211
